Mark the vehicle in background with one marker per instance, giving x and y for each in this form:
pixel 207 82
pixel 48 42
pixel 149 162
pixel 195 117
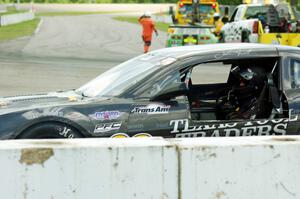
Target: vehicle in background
pixel 185 35
pixel 193 23
pixel 205 10
pixel 262 23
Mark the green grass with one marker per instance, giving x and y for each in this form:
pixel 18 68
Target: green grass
pixel 74 13
pixel 12 10
pixel 14 31
pixel 159 25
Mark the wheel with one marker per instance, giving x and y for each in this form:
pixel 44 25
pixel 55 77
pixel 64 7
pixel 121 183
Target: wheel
pixel 245 37
pixel 222 39
pixel 50 130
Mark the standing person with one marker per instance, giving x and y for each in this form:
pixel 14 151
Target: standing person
pixel 148 28
pixel 218 24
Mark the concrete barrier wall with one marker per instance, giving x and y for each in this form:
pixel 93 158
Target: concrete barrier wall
pixel 15 18
pixel 235 168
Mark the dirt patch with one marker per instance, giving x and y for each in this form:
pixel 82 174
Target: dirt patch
pixel 35 156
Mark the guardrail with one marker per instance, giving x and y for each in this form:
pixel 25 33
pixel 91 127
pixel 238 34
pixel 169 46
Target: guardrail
pixel 244 167
pixel 15 18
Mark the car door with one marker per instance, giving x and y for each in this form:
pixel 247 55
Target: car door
pixel 216 128
pixel 291 90
pixel 150 116
pixel 278 121
pixel 153 117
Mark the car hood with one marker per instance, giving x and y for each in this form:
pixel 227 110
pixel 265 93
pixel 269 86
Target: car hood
pixel 24 102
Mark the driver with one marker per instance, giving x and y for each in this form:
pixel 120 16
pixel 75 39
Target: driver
pixel 241 100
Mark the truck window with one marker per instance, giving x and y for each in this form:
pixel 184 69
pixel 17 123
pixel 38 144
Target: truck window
pixel 253 12
pixel 233 15
pixel 203 8
pixel 284 11
pixel 240 13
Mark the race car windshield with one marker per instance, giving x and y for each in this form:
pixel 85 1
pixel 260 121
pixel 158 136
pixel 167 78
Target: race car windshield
pixel 118 79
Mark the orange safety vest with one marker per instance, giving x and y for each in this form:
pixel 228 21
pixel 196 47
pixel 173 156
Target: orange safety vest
pixel 148 27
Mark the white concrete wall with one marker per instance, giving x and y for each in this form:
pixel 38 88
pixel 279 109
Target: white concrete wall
pixel 206 168
pixel 88 169
pixel 240 168
pixel 15 18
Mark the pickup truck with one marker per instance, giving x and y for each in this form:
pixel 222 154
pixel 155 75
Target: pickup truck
pixel 262 23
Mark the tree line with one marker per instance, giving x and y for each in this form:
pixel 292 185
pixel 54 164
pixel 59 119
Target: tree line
pixel 225 2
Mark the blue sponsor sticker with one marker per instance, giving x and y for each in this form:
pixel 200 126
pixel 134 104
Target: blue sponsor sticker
pixel 106 115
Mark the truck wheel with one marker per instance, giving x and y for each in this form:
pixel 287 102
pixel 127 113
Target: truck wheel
pixel 50 130
pixel 222 39
pixel 245 37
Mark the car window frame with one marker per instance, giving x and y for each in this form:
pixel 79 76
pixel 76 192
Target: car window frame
pixel 285 77
pixel 184 62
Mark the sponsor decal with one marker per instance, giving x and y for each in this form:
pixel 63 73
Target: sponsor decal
pixel 72 99
pixel 251 128
pixel 124 135
pixel 106 115
pixel 152 109
pixel 135 126
pixel 235 53
pixel 65 132
pixel 120 135
pixel 4 103
pixel 105 127
pixel 142 135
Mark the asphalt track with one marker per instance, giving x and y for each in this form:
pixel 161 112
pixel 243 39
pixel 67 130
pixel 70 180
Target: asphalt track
pixel 68 51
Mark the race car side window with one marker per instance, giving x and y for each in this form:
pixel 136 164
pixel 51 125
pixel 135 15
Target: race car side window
pixel 294 73
pixel 210 73
pixel 157 86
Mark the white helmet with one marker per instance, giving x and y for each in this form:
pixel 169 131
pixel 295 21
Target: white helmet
pixel 147 14
pixel 216 14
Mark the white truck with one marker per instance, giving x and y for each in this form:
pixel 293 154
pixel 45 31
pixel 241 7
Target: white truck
pixel 262 23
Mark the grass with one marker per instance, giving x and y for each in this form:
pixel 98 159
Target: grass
pixel 12 10
pixel 74 13
pixel 159 25
pixel 14 31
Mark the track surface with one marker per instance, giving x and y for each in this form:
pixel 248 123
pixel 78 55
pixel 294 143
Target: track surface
pixel 68 51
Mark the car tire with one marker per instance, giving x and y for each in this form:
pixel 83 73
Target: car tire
pixel 50 130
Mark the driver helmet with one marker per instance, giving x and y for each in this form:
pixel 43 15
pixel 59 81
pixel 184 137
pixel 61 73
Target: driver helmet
pixel 244 74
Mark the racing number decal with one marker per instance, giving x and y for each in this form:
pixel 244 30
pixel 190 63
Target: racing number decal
pixel 142 135
pixel 124 135
pixel 120 135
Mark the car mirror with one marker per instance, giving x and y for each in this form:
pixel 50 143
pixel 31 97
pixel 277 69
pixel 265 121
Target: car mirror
pixel 170 92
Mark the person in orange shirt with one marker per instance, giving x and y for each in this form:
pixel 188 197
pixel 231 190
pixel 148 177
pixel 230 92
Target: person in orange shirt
pixel 218 23
pixel 148 28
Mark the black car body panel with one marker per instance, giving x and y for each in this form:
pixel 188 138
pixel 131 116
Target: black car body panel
pixel 132 112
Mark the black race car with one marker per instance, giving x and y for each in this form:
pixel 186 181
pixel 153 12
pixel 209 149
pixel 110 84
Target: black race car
pixel 208 90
